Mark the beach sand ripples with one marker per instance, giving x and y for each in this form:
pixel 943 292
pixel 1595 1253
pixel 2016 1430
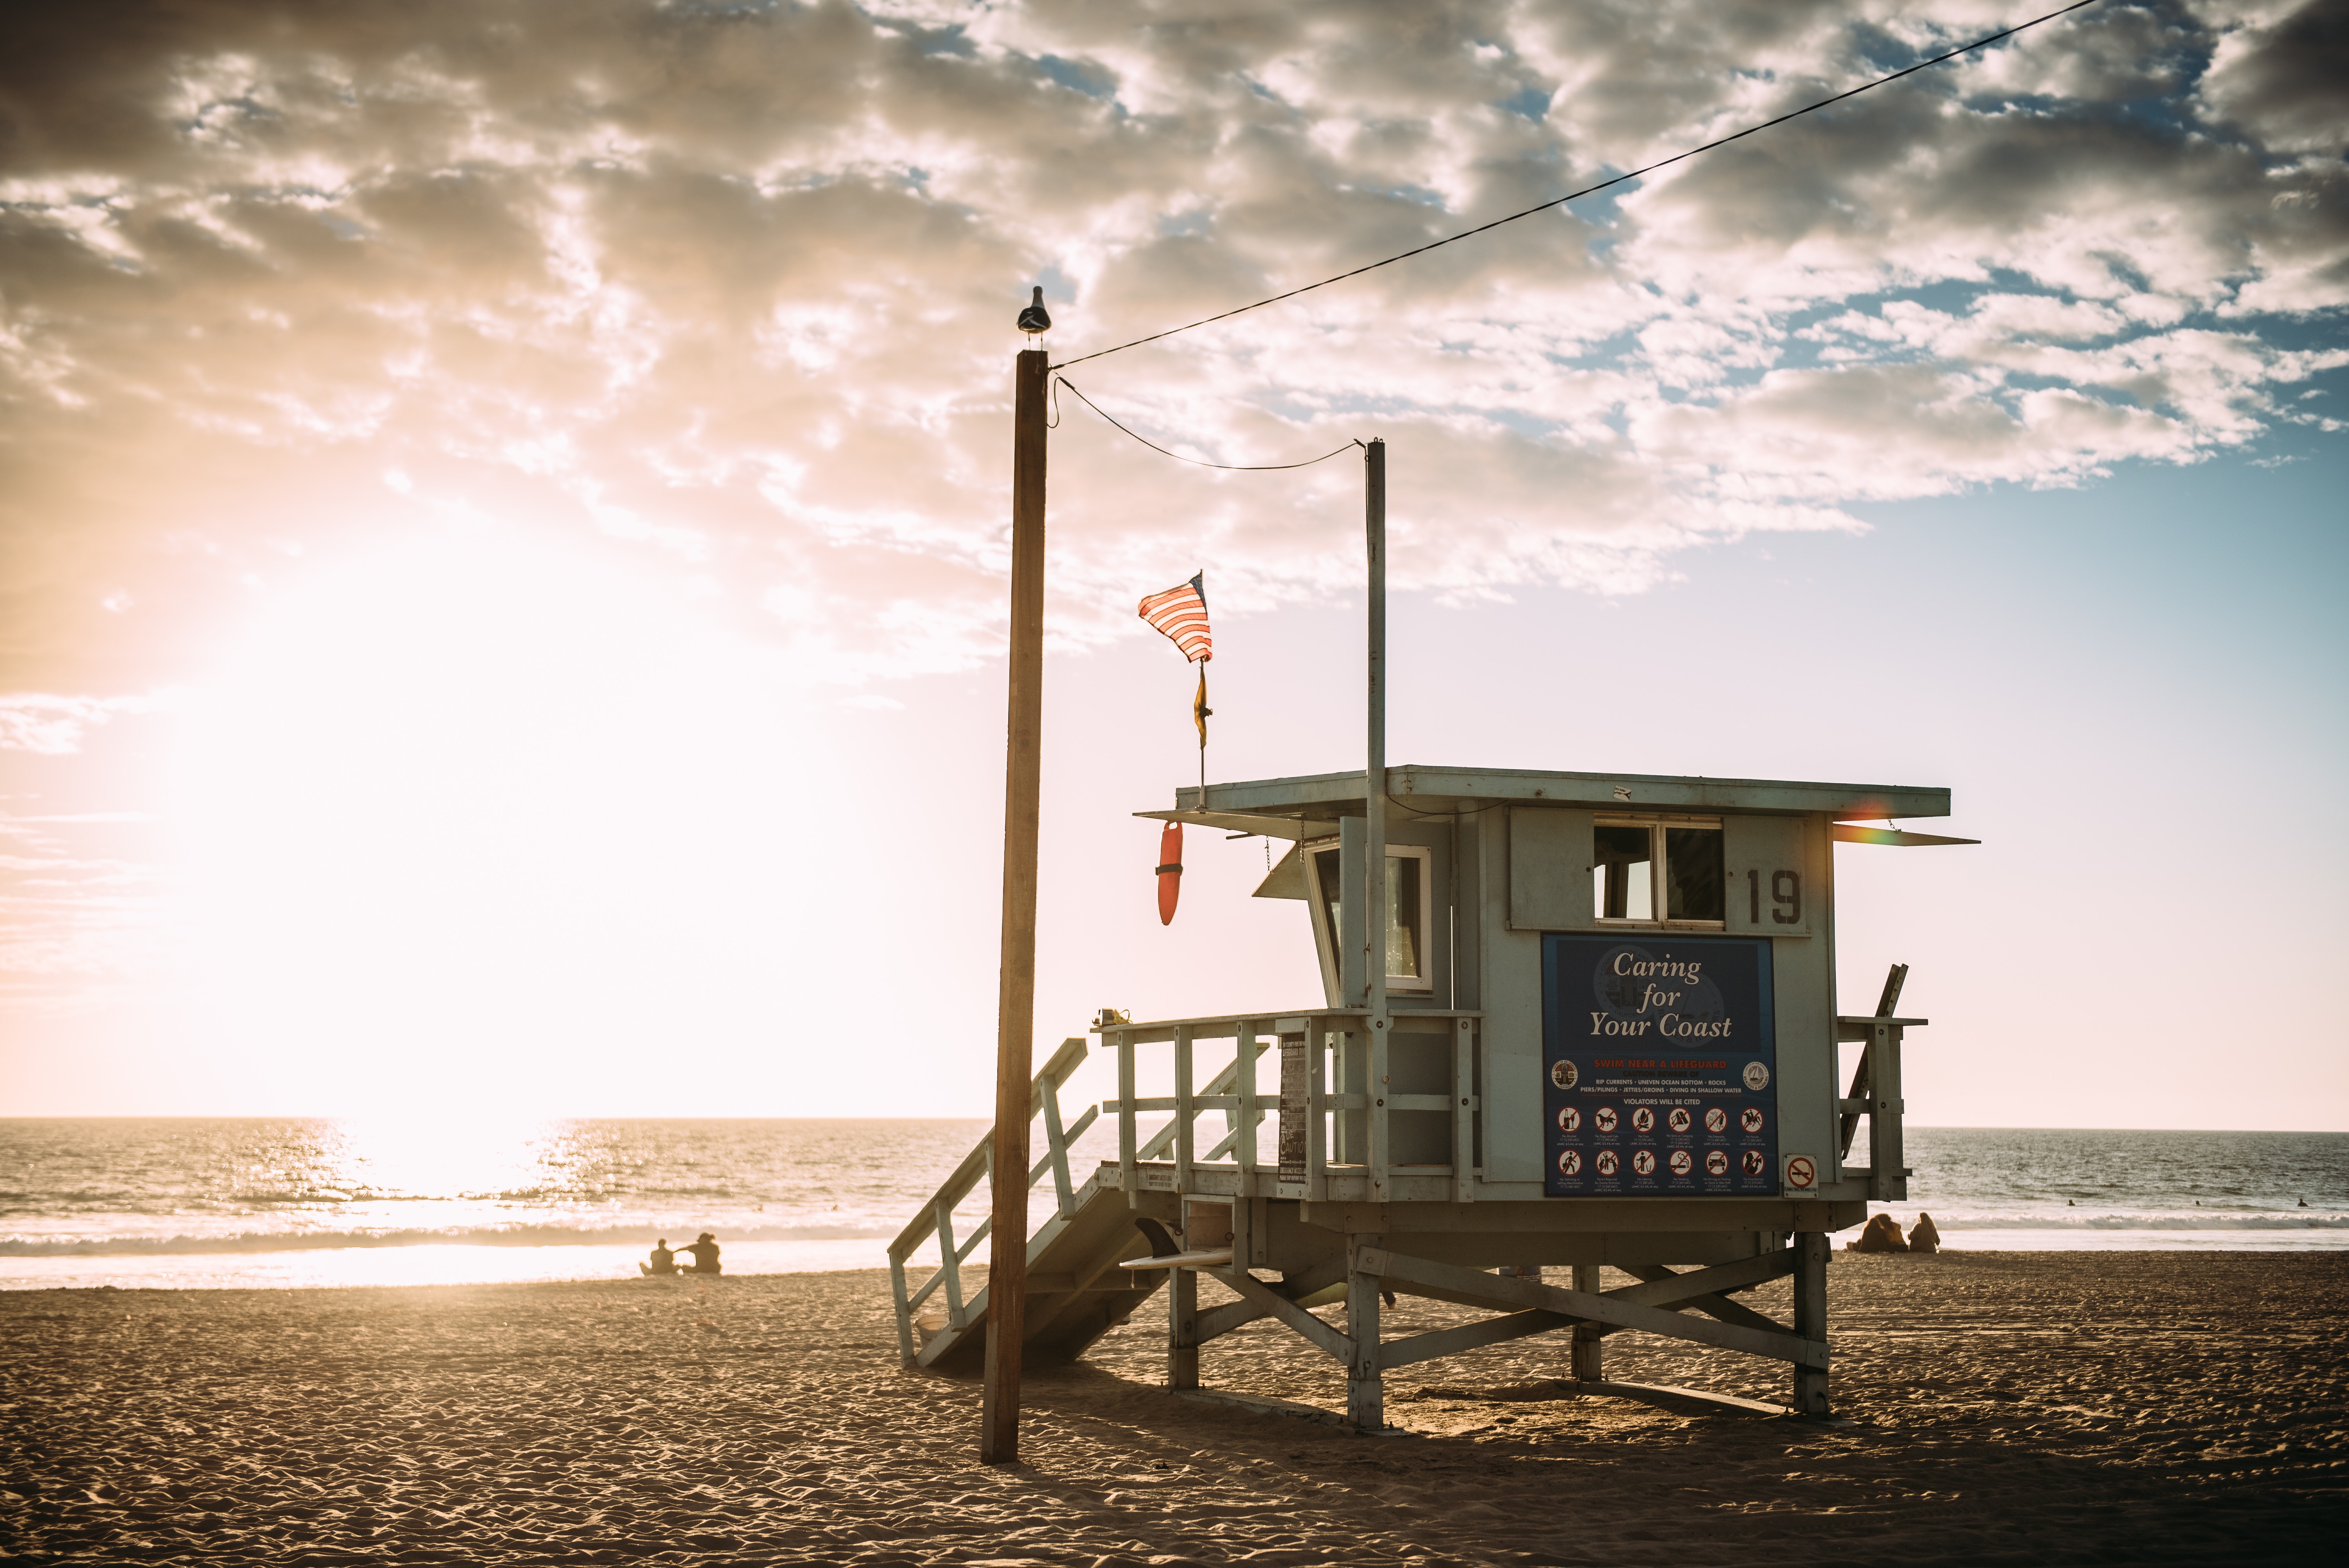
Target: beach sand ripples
pixel 2025 1408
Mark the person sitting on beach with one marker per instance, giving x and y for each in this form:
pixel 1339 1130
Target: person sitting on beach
pixel 705 1256
pixel 664 1262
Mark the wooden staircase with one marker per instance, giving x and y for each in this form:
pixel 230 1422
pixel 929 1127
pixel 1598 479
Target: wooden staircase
pixel 1076 1291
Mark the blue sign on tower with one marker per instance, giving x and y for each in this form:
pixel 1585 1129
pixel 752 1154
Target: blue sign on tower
pixel 1661 1064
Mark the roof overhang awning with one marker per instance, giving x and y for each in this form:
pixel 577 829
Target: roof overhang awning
pixel 1243 822
pixel 1853 833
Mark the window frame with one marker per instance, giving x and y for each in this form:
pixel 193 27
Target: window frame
pixel 1659 892
pixel 1329 917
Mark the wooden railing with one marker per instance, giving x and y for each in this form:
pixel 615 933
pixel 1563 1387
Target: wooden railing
pixel 936 1217
pixel 1311 1044
pixel 1876 1094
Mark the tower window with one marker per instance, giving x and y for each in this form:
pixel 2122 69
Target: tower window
pixel 1638 865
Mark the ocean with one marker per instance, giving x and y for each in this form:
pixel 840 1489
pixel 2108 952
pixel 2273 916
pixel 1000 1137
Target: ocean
pixel 201 1202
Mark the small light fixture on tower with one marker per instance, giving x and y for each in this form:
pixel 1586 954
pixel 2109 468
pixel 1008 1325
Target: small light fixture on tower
pixel 1036 319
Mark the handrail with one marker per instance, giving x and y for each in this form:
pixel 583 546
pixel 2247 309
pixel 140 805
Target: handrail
pixel 1876 1094
pixel 1234 1091
pixel 936 1217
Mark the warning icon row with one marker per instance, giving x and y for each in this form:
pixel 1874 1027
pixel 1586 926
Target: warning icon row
pixel 1679 1161
pixel 1607 1119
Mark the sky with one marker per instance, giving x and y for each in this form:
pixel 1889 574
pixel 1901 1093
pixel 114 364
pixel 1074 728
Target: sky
pixel 504 518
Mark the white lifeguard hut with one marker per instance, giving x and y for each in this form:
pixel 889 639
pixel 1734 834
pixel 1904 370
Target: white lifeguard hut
pixel 1575 1020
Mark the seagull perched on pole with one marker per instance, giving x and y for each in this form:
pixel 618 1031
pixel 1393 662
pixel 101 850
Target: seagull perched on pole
pixel 1036 318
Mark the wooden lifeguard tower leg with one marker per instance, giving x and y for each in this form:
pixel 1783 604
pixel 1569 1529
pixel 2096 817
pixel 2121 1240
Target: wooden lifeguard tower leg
pixel 1182 1328
pixel 1589 1350
pixel 1366 1409
pixel 1811 1318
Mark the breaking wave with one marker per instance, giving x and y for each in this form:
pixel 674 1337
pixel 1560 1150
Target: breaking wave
pixel 492 1236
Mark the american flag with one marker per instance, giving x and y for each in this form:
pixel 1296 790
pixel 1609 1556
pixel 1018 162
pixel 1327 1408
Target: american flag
pixel 1182 614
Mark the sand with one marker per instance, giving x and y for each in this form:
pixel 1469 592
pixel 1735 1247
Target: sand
pixel 2002 1407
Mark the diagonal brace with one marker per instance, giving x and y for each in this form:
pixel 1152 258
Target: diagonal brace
pixel 1448 1281
pixel 1716 1307
pixel 1474 1336
pixel 1337 1346
pixel 1222 1320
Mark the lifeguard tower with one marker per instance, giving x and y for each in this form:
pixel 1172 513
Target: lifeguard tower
pixel 1605 1035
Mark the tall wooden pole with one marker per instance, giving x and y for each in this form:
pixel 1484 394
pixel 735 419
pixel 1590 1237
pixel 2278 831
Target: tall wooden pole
pixel 1015 1016
pixel 1374 779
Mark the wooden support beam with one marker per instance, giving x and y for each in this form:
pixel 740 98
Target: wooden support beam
pixel 1464 1112
pixel 1332 1342
pixel 905 1310
pixel 1589 1355
pixel 1811 1319
pixel 1366 1408
pixel 1242 1137
pixel 1714 1306
pixel 1448 1281
pixel 1128 1178
pixel 1468 1337
pixel 1217 1322
pixel 1665 1288
pixel 1184 1112
pixel 1182 1328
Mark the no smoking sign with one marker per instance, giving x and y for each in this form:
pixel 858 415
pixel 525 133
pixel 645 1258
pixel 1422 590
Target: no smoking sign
pixel 1802 1174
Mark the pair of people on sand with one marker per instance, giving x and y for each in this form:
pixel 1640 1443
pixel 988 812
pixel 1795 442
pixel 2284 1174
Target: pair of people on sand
pixel 664 1262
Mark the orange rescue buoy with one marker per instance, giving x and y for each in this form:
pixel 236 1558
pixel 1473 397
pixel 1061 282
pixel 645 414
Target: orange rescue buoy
pixel 1170 872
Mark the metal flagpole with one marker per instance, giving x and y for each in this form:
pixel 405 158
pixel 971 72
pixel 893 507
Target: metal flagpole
pixel 1015 1027
pixel 1365 1406
pixel 1200 710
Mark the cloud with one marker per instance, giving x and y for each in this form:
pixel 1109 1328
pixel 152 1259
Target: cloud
pixel 56 726
pixel 725 293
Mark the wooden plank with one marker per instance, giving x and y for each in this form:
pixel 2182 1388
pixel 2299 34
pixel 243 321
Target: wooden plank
pixel 1589 1358
pixel 1447 789
pixel 951 1265
pixel 1683 1401
pixel 1056 1151
pixel 1163 1139
pixel 1714 1306
pixel 1468 1337
pixel 965 1175
pixel 1811 1320
pixel 1182 1329
pixel 1243 1138
pixel 1666 1287
pixel 1317 1125
pixel 1849 1029
pixel 1221 1320
pixel 1887 1152
pixel 1158 1031
pixel 1366 1407
pixel 1333 1344
pixel 951 1191
pixel 1463 1115
pixel 905 1310
pixel 1446 1282
pixel 1203 1101
pixel 1203 1257
pixel 1126 1153
pixel 1185 1112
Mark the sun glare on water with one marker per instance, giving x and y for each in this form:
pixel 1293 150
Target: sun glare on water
pixel 486 826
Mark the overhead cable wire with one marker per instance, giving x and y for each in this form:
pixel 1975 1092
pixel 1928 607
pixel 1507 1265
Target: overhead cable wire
pixel 1230 468
pixel 1586 190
